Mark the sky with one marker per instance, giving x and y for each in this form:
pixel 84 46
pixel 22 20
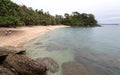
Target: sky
pixel 105 11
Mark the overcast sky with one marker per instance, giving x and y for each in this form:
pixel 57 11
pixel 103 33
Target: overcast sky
pixel 105 11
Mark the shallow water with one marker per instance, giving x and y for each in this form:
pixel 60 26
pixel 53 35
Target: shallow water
pixel 80 51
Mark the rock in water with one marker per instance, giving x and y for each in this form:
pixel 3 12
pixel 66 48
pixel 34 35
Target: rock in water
pixel 74 68
pixel 51 65
pixel 24 65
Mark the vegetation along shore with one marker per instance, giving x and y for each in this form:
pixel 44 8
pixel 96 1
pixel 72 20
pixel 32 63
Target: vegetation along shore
pixel 12 15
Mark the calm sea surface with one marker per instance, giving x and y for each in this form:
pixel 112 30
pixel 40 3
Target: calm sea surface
pixel 80 51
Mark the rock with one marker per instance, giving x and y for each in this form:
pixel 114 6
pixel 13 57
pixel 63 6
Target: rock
pixel 24 65
pixel 5 71
pixel 8 49
pixel 52 65
pixel 74 68
pixel 15 64
pixel 4 51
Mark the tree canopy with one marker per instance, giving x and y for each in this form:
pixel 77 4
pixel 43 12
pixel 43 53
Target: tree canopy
pixel 12 14
pixel 77 19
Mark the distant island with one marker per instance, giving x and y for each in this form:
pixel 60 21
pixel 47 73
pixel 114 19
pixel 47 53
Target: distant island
pixel 12 15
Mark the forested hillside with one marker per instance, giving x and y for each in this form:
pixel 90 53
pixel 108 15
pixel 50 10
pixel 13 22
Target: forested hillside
pixel 12 15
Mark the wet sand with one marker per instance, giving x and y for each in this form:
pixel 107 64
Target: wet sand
pixel 21 35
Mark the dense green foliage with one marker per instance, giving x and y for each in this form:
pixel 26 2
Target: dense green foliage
pixel 12 14
pixel 77 19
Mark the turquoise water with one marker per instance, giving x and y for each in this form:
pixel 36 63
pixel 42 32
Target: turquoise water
pixel 80 51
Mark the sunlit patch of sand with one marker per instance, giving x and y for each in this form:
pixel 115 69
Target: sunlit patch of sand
pixel 23 34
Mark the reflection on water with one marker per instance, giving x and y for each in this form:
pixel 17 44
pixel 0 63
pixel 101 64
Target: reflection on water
pixel 80 51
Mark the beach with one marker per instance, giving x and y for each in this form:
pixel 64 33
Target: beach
pixel 20 35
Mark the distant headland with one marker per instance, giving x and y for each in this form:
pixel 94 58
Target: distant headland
pixel 109 24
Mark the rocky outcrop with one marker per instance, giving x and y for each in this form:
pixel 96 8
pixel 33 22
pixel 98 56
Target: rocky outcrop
pixel 24 65
pixel 8 49
pixel 5 51
pixel 13 63
pixel 6 71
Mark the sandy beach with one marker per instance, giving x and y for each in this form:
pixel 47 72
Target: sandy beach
pixel 21 35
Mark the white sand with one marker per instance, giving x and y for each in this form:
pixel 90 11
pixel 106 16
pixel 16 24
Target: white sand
pixel 23 34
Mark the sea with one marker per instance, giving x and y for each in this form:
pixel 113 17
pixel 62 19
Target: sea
pixel 80 50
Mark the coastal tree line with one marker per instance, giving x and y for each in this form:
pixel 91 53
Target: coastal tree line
pixel 12 15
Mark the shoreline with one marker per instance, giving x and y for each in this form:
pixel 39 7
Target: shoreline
pixel 21 35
